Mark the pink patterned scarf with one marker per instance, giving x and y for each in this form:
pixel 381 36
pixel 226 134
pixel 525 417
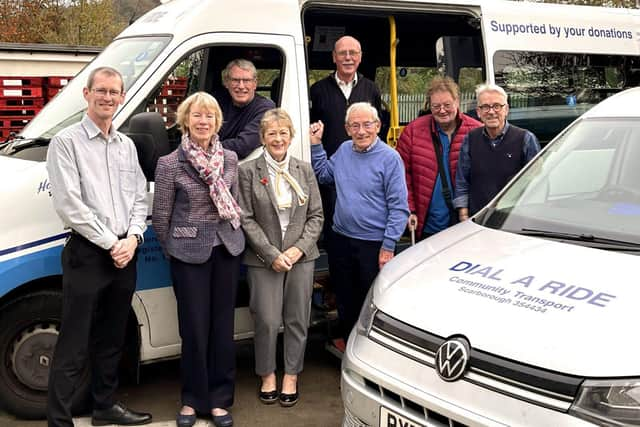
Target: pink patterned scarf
pixel 210 166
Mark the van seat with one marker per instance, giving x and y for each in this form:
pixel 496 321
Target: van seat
pixel 148 132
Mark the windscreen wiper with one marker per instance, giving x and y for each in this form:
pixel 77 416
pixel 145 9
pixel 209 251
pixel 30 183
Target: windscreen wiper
pixel 587 238
pixel 11 138
pixel 35 142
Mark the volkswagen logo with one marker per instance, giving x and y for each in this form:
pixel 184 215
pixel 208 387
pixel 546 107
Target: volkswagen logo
pixel 452 359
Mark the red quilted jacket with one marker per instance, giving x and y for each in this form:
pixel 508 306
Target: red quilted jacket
pixel 415 146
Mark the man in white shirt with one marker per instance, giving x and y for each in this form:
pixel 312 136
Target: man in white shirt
pixel 99 192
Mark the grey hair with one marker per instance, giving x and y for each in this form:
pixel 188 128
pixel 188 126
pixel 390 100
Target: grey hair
pixel 362 106
pixel 243 64
pixel 490 87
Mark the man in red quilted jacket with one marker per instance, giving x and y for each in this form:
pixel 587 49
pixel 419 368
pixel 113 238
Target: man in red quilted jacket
pixel 429 147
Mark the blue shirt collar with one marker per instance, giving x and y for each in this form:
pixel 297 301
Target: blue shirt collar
pixel 499 136
pixel 366 150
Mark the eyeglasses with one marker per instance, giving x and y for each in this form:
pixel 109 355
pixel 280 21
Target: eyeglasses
pixel 495 107
pixel 437 107
pixel 236 82
pixel 348 52
pixel 103 92
pixel 365 125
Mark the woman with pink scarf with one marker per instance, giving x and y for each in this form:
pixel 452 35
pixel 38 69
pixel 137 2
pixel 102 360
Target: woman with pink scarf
pixel 197 221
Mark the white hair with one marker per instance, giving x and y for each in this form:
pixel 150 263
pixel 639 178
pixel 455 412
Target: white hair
pixel 490 87
pixel 362 106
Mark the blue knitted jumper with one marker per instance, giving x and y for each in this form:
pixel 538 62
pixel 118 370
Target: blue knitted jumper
pixel 371 191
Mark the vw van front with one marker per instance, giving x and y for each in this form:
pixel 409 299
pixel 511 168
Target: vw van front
pixel 525 314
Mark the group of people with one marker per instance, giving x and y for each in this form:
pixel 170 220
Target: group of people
pixel 455 164
pixel 211 214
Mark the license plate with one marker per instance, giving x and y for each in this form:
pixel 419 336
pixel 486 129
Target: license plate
pixel 388 418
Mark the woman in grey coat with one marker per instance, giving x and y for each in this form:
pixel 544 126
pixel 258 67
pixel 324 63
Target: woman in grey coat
pixel 197 221
pixel 282 219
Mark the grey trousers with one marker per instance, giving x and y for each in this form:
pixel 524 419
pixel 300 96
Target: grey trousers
pixel 280 299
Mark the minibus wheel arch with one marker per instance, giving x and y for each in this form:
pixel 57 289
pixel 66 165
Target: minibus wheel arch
pixel 29 326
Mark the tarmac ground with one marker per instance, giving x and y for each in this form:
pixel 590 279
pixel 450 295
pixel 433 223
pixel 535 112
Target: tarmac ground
pixel 320 403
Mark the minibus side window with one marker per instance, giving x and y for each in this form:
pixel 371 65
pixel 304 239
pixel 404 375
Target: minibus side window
pixel 202 70
pixel 548 90
pixel 412 84
pixel 182 81
pixel 269 84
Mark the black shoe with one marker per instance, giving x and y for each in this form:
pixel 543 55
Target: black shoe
pixel 222 420
pixel 287 400
pixel 119 414
pixel 185 420
pixel 268 397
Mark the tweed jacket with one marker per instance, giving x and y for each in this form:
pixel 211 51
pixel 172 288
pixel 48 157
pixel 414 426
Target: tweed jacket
pixel 184 217
pixel 260 214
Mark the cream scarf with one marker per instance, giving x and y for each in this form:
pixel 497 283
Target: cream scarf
pixel 284 182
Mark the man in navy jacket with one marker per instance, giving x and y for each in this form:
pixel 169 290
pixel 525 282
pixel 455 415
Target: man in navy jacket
pixel 242 108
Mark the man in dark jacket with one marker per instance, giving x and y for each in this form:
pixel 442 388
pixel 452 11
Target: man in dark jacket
pixel 429 147
pixel 490 156
pixel 241 107
pixel 330 98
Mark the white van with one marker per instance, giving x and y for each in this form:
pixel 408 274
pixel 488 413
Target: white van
pixel 555 61
pixel 524 315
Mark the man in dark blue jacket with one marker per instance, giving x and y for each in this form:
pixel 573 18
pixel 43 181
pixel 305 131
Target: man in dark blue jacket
pixel 242 108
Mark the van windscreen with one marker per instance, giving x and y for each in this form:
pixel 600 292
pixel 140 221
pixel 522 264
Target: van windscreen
pixel 587 183
pixel 130 56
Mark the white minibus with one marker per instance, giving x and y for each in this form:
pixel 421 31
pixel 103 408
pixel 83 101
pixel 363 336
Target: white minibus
pixel 554 61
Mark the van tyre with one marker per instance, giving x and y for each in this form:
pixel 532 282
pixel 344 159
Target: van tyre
pixel 29 327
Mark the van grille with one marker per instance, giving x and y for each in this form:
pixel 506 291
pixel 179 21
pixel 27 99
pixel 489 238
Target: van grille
pixel 539 386
pixel 394 400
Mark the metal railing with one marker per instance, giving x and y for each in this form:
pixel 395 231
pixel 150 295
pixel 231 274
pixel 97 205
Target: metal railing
pixel 409 104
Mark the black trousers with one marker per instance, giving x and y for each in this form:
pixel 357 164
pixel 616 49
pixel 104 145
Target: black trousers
pixel 206 297
pixel 354 266
pixel 328 196
pixel 95 310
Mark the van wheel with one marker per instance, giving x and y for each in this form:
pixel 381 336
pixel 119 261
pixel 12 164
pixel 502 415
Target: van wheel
pixel 28 333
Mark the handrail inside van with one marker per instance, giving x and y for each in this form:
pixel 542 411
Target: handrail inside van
pixel 394 126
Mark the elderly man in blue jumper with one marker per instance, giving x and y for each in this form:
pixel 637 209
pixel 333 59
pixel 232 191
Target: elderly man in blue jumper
pixel 371 207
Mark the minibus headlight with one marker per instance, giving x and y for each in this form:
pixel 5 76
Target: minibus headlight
pixel 366 314
pixel 609 402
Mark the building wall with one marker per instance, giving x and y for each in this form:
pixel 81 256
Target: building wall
pixel 39 60
pixel 38 65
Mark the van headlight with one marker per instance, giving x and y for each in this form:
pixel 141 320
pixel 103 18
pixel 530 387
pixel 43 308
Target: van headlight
pixel 609 402
pixel 366 314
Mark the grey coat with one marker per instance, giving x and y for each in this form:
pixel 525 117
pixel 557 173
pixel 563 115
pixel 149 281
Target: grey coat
pixel 260 214
pixel 184 217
